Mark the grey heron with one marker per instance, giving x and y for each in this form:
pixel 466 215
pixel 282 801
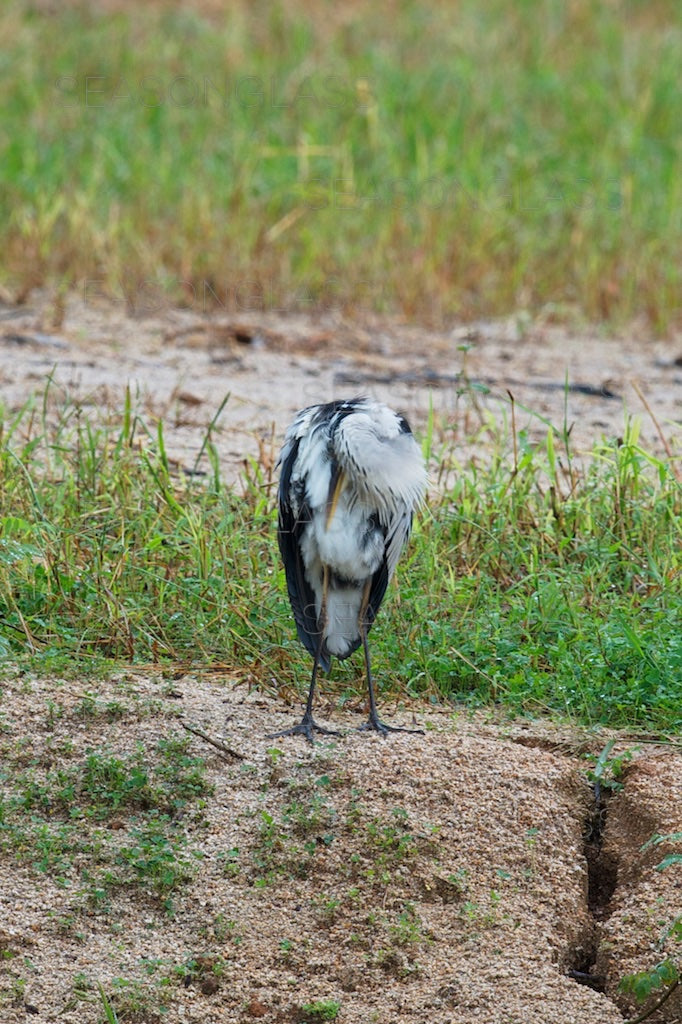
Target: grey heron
pixel 351 478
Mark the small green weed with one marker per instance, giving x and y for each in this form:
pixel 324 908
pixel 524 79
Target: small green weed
pixel 156 858
pixel 105 784
pixel 54 818
pixel 608 771
pixel 667 973
pixel 391 841
pixel 201 969
pixel 407 929
pixel 319 1010
pixel 482 915
pixel 277 853
pixel 229 861
pixel 670 858
pixel 664 975
pixel 13 992
pixel 288 844
pixel 222 929
pixel 133 1000
pixel 327 908
pixel 312 817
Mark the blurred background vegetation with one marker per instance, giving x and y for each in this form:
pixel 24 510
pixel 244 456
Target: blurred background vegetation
pixel 432 160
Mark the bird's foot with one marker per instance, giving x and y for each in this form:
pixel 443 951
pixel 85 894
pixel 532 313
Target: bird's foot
pixel 375 724
pixel 306 727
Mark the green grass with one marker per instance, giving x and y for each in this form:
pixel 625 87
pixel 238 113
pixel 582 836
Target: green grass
pixel 321 1009
pixel 563 585
pixel 432 160
pixel 132 562
pixel 539 583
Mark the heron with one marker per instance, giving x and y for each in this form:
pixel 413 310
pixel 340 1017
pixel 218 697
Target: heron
pixel 351 477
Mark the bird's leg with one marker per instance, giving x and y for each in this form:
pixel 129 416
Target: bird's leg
pixel 307 726
pixel 374 722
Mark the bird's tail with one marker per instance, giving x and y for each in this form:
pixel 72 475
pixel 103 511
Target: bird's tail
pixel 341 633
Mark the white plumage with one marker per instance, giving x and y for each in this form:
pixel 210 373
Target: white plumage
pixel 351 478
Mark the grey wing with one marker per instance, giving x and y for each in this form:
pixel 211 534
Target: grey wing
pixel 291 523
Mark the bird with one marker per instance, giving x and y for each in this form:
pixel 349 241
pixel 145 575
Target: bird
pixel 351 478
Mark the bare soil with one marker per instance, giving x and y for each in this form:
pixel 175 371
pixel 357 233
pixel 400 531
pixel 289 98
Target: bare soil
pixel 439 878
pixel 182 363
pixel 424 878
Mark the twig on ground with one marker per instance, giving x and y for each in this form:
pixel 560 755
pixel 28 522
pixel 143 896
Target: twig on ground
pixel 214 743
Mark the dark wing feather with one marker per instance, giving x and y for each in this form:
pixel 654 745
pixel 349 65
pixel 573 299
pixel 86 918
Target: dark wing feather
pixel 376 593
pixel 289 528
pixel 380 579
pixel 395 541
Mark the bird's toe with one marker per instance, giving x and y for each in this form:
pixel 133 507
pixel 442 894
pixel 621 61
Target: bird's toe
pixel 374 724
pixel 306 727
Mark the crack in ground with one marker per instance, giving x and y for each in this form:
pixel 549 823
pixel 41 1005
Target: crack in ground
pixel 602 879
pixel 602 872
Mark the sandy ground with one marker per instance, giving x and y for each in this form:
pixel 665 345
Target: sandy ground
pixel 446 880
pixel 183 363
pixel 437 878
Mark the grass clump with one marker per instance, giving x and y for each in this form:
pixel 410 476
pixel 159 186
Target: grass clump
pixel 244 158
pixel 563 585
pixel 106 554
pixel 319 1010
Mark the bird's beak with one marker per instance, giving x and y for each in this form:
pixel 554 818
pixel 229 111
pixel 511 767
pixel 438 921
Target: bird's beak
pixel 336 486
